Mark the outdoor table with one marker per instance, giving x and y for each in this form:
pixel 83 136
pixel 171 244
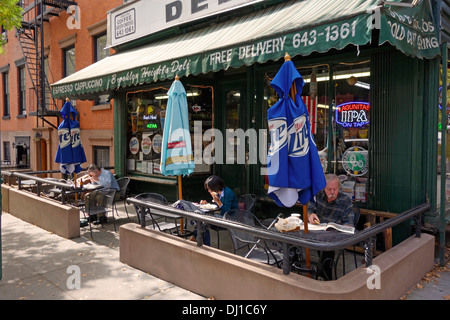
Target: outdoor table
pixel 70 189
pixel 28 184
pixel 295 253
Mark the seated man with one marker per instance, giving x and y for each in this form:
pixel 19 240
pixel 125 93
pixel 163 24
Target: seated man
pixel 103 177
pixel 106 179
pixel 331 205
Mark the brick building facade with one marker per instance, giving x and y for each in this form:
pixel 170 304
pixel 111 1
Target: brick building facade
pixel 73 40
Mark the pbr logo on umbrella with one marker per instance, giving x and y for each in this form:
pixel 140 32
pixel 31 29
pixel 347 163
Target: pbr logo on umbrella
pixel 70 154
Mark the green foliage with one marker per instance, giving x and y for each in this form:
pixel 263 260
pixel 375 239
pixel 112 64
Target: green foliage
pixel 10 17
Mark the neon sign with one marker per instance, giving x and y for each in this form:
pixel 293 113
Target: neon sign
pixel 152 126
pixel 352 114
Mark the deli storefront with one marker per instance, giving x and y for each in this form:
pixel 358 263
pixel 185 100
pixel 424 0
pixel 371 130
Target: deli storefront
pixel 371 76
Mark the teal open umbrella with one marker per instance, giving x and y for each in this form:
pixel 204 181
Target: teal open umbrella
pixel 177 158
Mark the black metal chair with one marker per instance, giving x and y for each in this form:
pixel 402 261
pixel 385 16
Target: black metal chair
pixel 247 201
pixel 159 222
pixel 245 244
pixel 122 193
pixel 356 215
pixel 97 203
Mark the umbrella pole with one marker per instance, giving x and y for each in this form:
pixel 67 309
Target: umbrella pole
pixel 292 94
pixel 305 225
pixel 75 185
pixel 180 197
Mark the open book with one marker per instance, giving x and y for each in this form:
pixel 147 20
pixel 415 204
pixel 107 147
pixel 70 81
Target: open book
pixel 327 226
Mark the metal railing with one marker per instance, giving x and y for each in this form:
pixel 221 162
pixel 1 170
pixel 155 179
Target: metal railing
pixel 365 237
pixel 40 183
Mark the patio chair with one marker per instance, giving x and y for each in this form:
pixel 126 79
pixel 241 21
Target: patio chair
pixel 123 184
pixel 245 244
pixel 356 215
pixel 247 201
pixel 159 222
pixel 99 202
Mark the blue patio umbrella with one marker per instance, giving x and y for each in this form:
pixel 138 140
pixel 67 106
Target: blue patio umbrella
pixel 294 169
pixel 176 151
pixel 70 154
pixel 177 158
pixel 295 173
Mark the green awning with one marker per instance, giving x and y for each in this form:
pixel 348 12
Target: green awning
pixel 410 30
pixel 296 27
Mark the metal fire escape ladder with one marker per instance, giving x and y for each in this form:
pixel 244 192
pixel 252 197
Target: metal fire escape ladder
pixel 31 39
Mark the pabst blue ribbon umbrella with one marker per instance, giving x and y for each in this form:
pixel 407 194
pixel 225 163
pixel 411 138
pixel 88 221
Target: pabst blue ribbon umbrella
pixel 70 154
pixel 177 158
pixel 295 173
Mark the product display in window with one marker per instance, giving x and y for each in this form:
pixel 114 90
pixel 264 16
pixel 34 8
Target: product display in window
pixel 146 118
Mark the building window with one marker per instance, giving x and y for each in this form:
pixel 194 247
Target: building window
pixel 101 156
pixel 6 152
pixel 22 91
pixel 146 118
pixel 6 111
pixel 99 47
pixel 69 61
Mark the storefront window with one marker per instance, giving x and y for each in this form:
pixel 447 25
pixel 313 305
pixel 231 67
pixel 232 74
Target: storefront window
pixel 343 147
pixel 146 117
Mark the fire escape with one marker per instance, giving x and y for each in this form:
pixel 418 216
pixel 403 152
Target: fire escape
pixel 31 39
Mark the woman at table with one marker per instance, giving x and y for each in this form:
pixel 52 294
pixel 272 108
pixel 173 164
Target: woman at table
pixel 223 196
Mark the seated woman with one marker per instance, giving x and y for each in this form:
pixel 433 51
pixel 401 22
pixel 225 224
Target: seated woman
pixel 223 196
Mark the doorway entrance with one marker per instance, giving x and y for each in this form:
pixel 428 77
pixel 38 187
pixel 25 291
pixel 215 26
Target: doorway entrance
pixel 232 123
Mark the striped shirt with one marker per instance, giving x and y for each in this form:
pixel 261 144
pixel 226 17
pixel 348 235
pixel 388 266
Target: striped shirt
pixel 337 211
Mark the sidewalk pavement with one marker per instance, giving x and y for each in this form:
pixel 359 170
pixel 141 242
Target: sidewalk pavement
pixel 39 265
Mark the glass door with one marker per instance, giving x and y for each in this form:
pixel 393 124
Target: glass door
pixel 232 127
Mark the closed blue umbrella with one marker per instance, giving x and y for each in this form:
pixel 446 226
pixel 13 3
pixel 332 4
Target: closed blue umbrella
pixel 176 151
pixel 70 154
pixel 177 158
pixel 294 169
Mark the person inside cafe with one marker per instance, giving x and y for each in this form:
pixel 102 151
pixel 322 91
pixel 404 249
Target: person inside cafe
pixel 331 205
pixel 223 196
pixel 106 179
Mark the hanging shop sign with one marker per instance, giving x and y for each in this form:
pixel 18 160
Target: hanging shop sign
pixel 353 114
pixel 355 161
pixel 141 18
